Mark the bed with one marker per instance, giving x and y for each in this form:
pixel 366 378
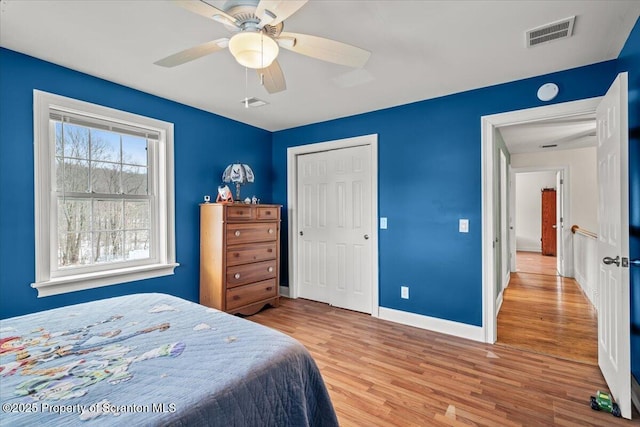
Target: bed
pixel 155 359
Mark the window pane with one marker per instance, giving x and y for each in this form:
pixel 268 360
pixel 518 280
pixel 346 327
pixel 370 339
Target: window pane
pixel 73 215
pixel 74 249
pixel 76 141
pixel 105 146
pixel 72 175
pixel 58 136
pixel 136 215
pixel 137 244
pixel 107 246
pixel 134 150
pixel 107 215
pixel 105 178
pixel 134 180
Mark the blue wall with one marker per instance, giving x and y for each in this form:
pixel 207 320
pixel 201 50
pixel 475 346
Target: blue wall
pixel 422 246
pixel 438 143
pixel 204 145
pixel 629 60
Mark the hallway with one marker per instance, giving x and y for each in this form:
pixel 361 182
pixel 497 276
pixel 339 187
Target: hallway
pixel 545 313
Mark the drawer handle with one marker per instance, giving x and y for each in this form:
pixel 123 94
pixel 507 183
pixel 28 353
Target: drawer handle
pixel 268 288
pixel 237 233
pixel 269 250
pixel 270 269
pixel 237 275
pixel 267 213
pixel 271 231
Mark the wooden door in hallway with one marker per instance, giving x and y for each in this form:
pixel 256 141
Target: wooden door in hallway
pixel 549 240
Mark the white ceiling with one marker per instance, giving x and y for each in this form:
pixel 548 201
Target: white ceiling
pixel 567 133
pixel 420 50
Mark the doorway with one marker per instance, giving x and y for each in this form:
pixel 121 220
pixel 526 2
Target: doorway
pixel 528 209
pixel 317 277
pixel 491 236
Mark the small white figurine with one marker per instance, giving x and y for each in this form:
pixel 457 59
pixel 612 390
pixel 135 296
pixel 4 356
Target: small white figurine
pixel 254 200
pixel 247 200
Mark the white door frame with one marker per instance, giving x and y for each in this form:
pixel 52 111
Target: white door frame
pixel 292 206
pixel 489 125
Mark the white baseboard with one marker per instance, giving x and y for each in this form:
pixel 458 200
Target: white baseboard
pixel 284 291
pixel 434 324
pixel 635 393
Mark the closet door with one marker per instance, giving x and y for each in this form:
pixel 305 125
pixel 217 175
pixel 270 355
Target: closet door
pixel 334 206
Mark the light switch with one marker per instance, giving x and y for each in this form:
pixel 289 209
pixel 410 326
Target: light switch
pixel 383 223
pixel 464 226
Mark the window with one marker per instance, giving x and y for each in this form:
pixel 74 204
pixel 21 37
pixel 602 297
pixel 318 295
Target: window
pixel 103 196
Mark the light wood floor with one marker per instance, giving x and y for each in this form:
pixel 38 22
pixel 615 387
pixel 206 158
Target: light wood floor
pixel 381 373
pixel 535 262
pixel 546 313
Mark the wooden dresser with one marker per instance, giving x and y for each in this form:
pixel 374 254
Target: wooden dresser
pixel 239 256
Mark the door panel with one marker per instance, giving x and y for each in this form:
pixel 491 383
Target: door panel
pixel 549 234
pixel 614 356
pixel 334 196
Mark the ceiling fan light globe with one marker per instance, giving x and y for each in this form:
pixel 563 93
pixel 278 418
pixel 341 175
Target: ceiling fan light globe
pixel 253 49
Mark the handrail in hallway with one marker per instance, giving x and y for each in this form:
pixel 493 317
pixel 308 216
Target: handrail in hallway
pixel 575 229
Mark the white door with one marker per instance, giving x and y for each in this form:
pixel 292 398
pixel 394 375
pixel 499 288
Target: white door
pixel 312 224
pixel 334 224
pixel 613 244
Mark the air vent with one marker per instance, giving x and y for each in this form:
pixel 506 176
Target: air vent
pixel 553 31
pixel 549 146
pixel 253 102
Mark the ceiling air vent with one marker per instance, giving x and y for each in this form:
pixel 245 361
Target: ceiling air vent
pixel 253 102
pixel 553 31
pixel 549 146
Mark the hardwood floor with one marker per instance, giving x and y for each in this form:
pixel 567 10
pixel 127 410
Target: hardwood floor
pixel 381 373
pixel 535 262
pixel 547 313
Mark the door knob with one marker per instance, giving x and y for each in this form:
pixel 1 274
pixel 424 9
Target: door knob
pixel 608 260
pixel 366 237
pixel 554 226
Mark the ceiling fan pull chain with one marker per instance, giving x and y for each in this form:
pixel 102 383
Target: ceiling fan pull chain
pixel 246 87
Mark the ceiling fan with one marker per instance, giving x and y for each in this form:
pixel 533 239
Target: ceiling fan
pixel 257 36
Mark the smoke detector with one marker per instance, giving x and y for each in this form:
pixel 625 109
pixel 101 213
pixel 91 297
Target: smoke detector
pixel 553 31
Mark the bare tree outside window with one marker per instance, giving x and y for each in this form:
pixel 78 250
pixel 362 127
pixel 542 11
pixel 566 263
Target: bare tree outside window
pixel 102 195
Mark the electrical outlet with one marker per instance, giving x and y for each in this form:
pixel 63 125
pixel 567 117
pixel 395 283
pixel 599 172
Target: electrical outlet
pixel 404 292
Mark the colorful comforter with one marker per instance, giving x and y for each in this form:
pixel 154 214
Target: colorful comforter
pixel 154 359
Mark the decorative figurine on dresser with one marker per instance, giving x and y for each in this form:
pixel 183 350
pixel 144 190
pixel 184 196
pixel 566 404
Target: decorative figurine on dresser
pixel 239 256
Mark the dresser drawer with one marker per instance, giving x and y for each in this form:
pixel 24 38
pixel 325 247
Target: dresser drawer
pixel 248 273
pixel 243 254
pixel 254 232
pixel 266 213
pixel 239 211
pixel 243 295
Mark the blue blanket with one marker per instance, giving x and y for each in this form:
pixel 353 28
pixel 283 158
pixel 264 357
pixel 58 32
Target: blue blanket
pixel 154 359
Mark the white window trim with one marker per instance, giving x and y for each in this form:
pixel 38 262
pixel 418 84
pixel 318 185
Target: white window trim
pixel 43 167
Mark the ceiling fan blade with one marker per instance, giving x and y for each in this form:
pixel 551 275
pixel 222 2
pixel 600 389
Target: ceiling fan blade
pixel 206 10
pixel 273 79
pixel 324 49
pixel 279 10
pixel 193 53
